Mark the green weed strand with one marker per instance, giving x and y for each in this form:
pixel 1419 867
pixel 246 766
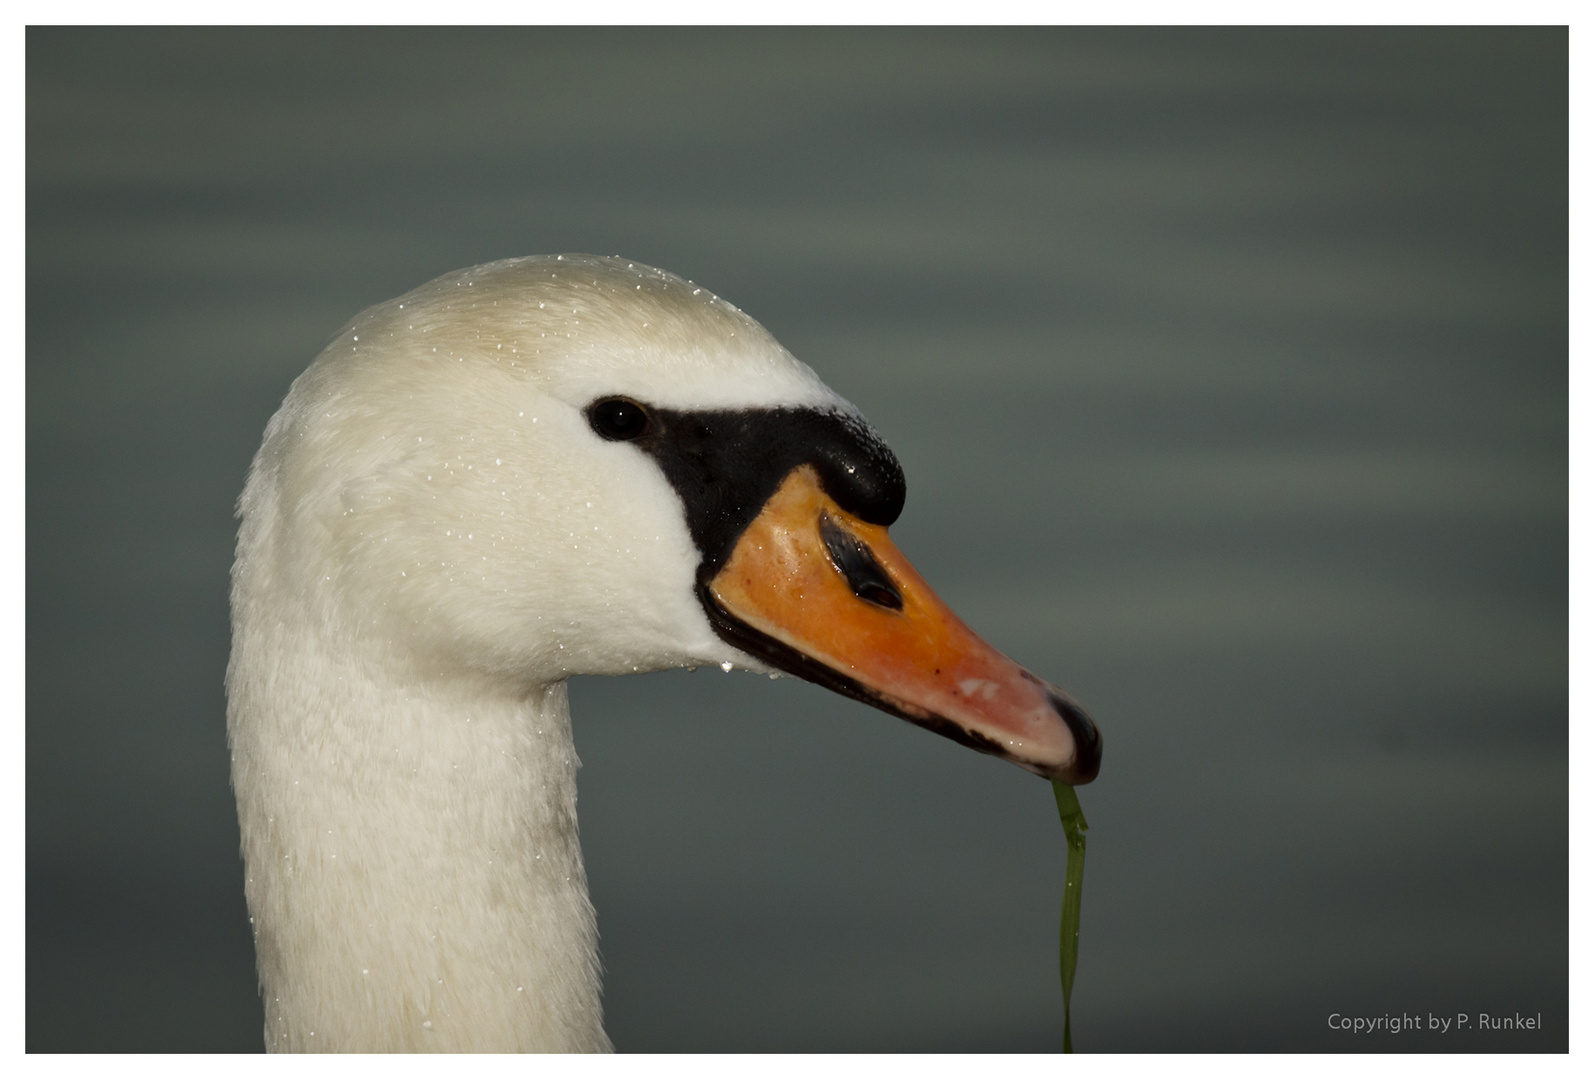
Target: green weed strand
pixel 1074 829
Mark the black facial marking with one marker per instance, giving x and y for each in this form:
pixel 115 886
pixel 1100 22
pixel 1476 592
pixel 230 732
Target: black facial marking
pixel 865 576
pixel 725 464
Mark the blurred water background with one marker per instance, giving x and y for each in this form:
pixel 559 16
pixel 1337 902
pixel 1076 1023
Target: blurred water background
pixel 1229 372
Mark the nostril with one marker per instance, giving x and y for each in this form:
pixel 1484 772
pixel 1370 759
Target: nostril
pixel 867 578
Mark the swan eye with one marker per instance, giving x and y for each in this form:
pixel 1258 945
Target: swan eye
pixel 617 419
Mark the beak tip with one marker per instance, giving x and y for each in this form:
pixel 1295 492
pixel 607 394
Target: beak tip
pixel 1087 760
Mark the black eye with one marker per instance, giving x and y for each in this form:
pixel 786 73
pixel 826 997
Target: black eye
pixel 617 419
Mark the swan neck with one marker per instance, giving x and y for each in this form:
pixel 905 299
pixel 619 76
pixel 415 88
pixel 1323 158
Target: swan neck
pixel 414 873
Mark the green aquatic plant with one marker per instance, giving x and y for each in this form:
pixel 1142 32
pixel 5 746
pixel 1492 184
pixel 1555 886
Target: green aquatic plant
pixel 1074 830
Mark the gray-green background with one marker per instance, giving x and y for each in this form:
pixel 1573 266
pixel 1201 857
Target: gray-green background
pixel 1229 371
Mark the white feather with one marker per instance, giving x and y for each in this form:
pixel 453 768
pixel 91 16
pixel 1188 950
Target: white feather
pixel 432 540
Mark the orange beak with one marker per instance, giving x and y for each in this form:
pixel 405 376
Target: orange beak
pixel 826 596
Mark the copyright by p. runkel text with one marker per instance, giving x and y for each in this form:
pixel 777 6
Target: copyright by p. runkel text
pixel 1397 1023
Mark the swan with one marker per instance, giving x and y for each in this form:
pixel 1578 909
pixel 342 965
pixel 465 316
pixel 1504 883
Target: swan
pixel 515 473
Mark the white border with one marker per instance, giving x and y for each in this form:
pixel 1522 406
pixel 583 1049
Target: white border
pixel 929 12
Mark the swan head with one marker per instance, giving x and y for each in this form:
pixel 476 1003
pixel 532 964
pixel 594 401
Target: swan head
pixel 581 465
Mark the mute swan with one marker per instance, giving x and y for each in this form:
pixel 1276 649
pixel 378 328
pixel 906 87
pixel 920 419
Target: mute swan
pixel 519 472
